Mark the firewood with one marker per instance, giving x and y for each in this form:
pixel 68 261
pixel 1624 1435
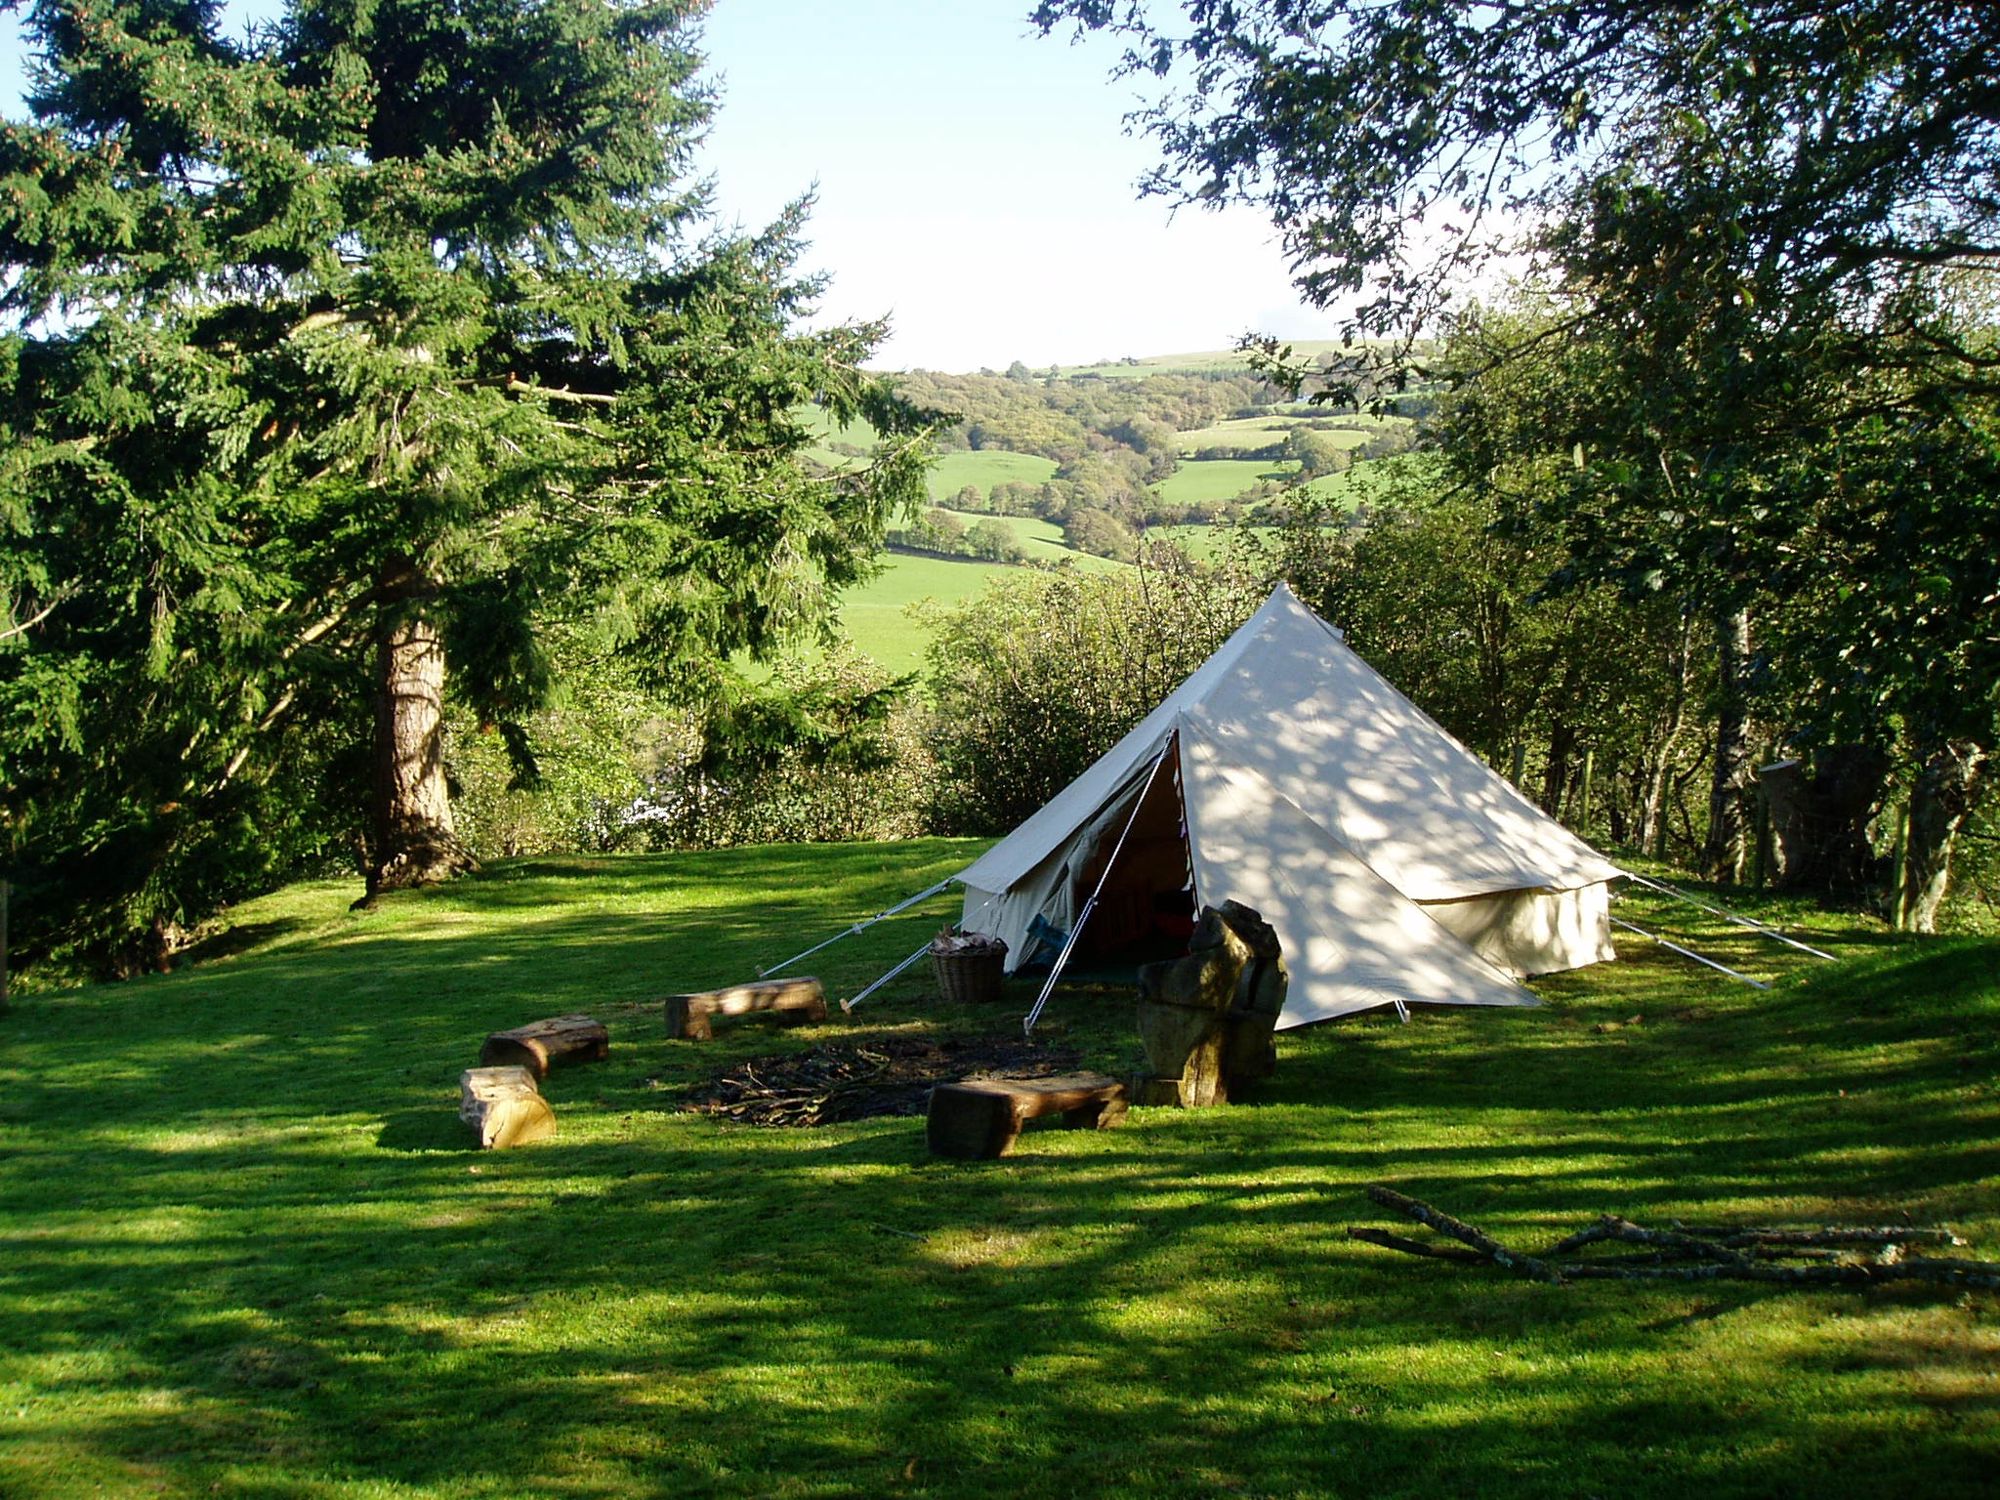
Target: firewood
pixel 1390 1241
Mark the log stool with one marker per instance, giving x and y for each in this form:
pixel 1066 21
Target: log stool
pixel 541 1045
pixel 791 1002
pixel 503 1107
pixel 978 1120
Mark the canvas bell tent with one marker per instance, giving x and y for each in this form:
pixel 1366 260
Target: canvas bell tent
pixel 1285 773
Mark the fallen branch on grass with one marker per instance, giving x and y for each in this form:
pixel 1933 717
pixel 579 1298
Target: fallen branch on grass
pixel 1696 1252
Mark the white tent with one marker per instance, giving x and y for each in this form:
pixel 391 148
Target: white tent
pixel 1285 773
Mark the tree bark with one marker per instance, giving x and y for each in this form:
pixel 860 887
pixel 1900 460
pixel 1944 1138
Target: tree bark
pixel 1728 844
pixel 1652 831
pixel 415 842
pixel 1821 820
pixel 1946 789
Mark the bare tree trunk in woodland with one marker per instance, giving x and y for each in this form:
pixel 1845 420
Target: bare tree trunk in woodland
pixel 1555 775
pixel 414 840
pixel 1652 833
pixel 1728 844
pixel 1945 792
pixel 1821 819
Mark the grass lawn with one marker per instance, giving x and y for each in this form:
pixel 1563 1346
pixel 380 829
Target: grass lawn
pixel 984 469
pixel 246 1252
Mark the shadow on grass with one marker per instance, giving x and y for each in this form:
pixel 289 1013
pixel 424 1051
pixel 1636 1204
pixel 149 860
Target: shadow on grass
pixel 244 1249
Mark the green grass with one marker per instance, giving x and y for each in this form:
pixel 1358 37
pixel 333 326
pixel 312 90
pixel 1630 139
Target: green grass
pixel 1203 543
pixel 1025 528
pixel 1250 433
pixel 245 1252
pixel 1044 541
pixel 876 614
pixel 1215 479
pixel 1197 363
pixel 984 469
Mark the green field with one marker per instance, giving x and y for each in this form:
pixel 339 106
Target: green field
pixel 1198 363
pixel 1043 540
pixel 1217 479
pixel 1203 543
pixel 984 469
pixel 245 1252
pixel 875 615
pixel 1251 433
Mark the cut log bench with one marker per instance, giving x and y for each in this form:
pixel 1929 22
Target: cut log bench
pixel 979 1120
pixel 541 1045
pixel 790 1002
pixel 1206 1020
pixel 503 1107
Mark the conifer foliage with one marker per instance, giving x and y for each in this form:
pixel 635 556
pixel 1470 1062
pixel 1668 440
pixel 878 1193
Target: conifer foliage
pixel 337 362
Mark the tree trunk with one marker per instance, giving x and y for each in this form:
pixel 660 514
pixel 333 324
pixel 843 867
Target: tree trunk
pixel 1821 821
pixel 1728 844
pixel 414 840
pixel 1944 793
pixel 1652 832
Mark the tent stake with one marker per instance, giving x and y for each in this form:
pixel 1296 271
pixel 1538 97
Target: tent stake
pixel 848 1005
pixel 858 927
pixel 1076 931
pixel 1728 916
pixel 1755 984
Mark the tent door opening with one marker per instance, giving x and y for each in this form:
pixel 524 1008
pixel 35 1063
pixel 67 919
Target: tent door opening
pixel 1146 909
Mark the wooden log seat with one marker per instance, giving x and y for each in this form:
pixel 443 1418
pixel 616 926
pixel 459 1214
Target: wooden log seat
pixel 791 1002
pixel 503 1107
pixel 541 1045
pixel 1206 1020
pixel 978 1120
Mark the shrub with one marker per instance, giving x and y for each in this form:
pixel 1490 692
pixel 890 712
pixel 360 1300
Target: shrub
pixel 1035 679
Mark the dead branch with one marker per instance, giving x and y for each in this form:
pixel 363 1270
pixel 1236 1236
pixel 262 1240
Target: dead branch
pixel 1444 1223
pixel 1390 1241
pixel 1741 1235
pixel 1726 1253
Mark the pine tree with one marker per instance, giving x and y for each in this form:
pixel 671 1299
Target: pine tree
pixel 337 362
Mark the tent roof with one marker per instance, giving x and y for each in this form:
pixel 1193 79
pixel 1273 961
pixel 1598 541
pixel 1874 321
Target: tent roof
pixel 1285 701
pixel 1351 941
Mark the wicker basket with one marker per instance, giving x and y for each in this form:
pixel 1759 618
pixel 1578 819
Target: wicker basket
pixel 969 978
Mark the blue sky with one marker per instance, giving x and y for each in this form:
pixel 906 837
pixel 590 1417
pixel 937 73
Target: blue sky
pixel 974 181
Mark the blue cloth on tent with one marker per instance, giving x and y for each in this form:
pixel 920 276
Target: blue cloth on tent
pixel 1045 942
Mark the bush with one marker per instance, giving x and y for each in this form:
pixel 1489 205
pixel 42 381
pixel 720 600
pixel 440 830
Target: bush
pixel 1034 680
pixel 830 750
